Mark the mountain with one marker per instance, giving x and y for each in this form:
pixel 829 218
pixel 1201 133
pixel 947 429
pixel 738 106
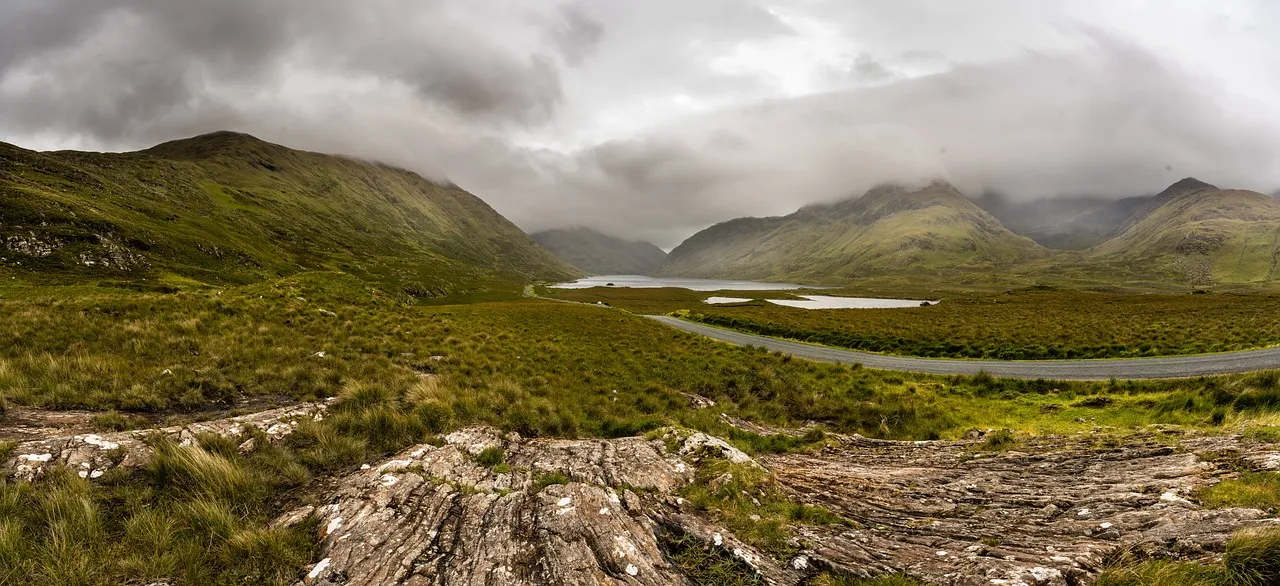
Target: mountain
pixel 601 254
pixel 230 208
pixel 1196 233
pixel 891 229
pixel 1071 223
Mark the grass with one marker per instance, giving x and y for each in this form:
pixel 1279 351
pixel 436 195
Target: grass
pixel 536 367
pixel 191 516
pixel 1256 490
pixel 1251 558
pixel 408 372
pixel 748 501
pixel 705 565
pixel 1023 325
pixel 828 579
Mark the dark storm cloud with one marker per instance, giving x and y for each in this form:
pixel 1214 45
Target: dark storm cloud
pixel 577 34
pixel 140 70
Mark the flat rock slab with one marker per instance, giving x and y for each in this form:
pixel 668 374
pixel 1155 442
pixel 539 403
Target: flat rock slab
pixel 1048 514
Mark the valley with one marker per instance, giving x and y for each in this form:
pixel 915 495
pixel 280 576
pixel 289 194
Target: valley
pixel 229 362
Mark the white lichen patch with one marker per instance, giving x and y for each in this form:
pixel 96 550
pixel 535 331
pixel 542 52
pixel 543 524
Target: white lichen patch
pixel 333 526
pixel 395 466
pixel 97 440
pixel 632 570
pixel 389 480
pixel 564 502
pixel 42 458
pixel 319 569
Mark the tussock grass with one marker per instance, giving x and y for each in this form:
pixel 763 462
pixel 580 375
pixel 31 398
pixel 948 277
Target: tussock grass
pixel 752 505
pixel 828 579
pixel 1025 325
pixel 194 516
pixel 1251 558
pixel 1257 490
pixel 406 373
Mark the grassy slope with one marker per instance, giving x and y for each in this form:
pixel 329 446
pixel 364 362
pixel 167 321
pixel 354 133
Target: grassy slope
pixel 537 367
pixel 228 208
pixel 886 231
pixel 601 254
pixel 1200 234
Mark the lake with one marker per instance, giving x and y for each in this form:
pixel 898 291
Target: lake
pixel 829 302
pixel 643 282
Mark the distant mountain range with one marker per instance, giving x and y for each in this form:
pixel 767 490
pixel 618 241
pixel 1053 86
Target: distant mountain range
pixel 1191 234
pixel 887 230
pixel 229 208
pixel 600 254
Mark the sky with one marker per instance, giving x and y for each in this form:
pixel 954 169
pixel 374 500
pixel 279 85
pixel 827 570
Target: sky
pixel 652 120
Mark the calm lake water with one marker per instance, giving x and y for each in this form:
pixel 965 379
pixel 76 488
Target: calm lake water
pixel 642 282
pixel 829 302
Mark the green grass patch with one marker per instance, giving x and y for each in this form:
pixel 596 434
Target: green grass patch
pixel 1256 490
pixel 1025 325
pixel 1251 558
pixel 545 480
pixel 752 505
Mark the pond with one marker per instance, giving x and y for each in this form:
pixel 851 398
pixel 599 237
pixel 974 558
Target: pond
pixel 829 302
pixel 643 282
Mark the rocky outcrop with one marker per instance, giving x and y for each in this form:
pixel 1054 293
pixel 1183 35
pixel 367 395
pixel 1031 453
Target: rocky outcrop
pixel 553 512
pixel 1049 513
pixel 485 507
pixel 91 454
pixel 598 511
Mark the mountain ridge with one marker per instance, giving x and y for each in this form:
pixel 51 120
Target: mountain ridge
pixel 883 231
pixel 599 253
pixel 228 207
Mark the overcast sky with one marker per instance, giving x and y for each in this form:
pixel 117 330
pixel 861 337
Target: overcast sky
pixel 653 119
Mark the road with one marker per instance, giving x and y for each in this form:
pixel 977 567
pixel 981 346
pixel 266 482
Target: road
pixel 1121 368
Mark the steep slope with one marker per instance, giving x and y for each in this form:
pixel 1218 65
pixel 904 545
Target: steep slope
pixel 601 254
pixel 1196 233
pixel 888 230
pixel 1073 223
pixel 229 208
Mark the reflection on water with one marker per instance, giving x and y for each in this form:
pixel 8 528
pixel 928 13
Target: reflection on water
pixel 828 302
pixel 642 282
pixel 716 300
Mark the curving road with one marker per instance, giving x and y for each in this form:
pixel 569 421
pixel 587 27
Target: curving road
pixel 1121 368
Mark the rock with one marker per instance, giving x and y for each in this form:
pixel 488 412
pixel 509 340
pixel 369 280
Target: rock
pixel 94 454
pixel 327 313
pixel 447 520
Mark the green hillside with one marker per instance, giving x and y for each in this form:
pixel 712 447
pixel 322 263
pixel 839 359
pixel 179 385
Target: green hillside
pixel 1197 234
pixel 229 208
pixel 601 254
pixel 890 230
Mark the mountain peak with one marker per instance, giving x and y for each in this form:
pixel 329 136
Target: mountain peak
pixel 222 142
pixel 1187 185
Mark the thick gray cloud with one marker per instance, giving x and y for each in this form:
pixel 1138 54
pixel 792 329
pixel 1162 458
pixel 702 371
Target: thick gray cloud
pixel 655 119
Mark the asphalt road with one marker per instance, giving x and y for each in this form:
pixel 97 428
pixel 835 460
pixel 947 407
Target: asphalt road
pixel 1121 368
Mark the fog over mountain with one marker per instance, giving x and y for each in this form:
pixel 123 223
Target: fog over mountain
pixel 653 120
